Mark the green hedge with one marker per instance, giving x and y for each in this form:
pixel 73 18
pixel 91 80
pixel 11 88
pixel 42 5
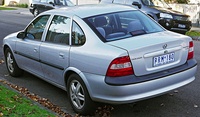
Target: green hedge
pixel 22 5
pixel 193 33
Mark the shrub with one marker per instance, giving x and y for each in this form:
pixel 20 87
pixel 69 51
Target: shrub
pixel 22 5
pixel 193 33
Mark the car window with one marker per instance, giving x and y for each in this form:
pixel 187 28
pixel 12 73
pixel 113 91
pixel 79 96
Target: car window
pixel 36 28
pixel 48 1
pixel 147 2
pixel 160 3
pixel 129 2
pixel 44 1
pixel 78 37
pixel 69 3
pixel 59 2
pixel 121 25
pixel 119 1
pixel 59 30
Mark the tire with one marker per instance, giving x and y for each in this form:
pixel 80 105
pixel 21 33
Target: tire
pixel 79 97
pixel 11 64
pixel 35 12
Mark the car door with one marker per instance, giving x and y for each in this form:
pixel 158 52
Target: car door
pixel 54 52
pixel 27 49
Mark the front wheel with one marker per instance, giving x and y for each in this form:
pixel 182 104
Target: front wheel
pixel 78 96
pixel 35 12
pixel 11 64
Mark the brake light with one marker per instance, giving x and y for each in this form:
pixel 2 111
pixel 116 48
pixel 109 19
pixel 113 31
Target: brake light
pixel 120 67
pixel 191 50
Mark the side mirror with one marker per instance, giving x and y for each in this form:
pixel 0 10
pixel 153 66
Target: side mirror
pixel 21 35
pixel 137 4
pixel 52 3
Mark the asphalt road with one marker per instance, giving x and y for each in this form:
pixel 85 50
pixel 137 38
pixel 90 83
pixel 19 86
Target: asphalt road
pixel 183 102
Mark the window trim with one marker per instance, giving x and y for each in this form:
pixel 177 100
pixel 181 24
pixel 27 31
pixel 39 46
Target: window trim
pixel 49 24
pixel 46 26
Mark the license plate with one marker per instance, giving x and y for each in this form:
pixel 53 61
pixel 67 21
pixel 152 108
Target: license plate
pixel 163 59
pixel 181 26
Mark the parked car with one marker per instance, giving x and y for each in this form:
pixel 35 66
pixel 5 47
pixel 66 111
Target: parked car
pixel 101 53
pixel 39 6
pixel 160 11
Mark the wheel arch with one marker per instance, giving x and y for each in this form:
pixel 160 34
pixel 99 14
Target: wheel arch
pixel 5 47
pixel 72 70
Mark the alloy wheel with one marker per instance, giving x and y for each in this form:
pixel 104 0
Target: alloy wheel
pixel 10 62
pixel 77 94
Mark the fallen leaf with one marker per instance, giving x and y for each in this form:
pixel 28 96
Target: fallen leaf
pixel 1 80
pixel 6 75
pixel 175 91
pixel 1 61
pixel 1 114
pixel 195 106
pixel 104 111
pixel 43 101
pixel 162 104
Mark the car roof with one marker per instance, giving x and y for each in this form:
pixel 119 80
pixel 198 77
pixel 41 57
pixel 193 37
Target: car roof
pixel 84 11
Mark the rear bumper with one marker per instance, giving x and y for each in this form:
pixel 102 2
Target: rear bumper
pixel 132 79
pixel 119 94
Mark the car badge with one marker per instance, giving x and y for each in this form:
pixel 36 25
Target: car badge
pixel 165 46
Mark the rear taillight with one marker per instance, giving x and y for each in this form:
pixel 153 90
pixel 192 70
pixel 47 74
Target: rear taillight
pixel 191 50
pixel 120 67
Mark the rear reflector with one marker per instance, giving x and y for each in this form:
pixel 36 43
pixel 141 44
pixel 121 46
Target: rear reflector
pixel 191 50
pixel 120 67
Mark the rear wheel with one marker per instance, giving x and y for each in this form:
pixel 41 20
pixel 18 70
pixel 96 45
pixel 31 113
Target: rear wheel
pixel 11 64
pixel 79 97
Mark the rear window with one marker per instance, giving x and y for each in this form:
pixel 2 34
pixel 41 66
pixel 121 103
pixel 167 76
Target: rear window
pixel 122 25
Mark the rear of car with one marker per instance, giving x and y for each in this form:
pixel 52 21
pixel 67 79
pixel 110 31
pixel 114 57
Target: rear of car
pixel 105 53
pixel 154 60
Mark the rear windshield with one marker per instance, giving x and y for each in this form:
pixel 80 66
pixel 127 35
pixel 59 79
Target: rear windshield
pixel 121 25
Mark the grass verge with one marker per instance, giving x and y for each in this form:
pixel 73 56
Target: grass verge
pixel 6 8
pixel 193 33
pixel 13 104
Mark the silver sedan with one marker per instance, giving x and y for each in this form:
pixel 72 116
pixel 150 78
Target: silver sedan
pixel 101 53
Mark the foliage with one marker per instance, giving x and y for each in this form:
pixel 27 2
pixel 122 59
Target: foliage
pixel 193 33
pixel 6 8
pixel 13 104
pixel 22 5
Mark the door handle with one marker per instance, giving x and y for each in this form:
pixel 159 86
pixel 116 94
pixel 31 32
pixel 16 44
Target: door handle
pixel 35 50
pixel 61 55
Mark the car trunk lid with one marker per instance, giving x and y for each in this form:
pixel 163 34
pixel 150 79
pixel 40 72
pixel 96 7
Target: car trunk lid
pixel 154 52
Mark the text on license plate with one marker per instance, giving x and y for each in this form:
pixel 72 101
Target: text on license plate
pixel 181 26
pixel 163 59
